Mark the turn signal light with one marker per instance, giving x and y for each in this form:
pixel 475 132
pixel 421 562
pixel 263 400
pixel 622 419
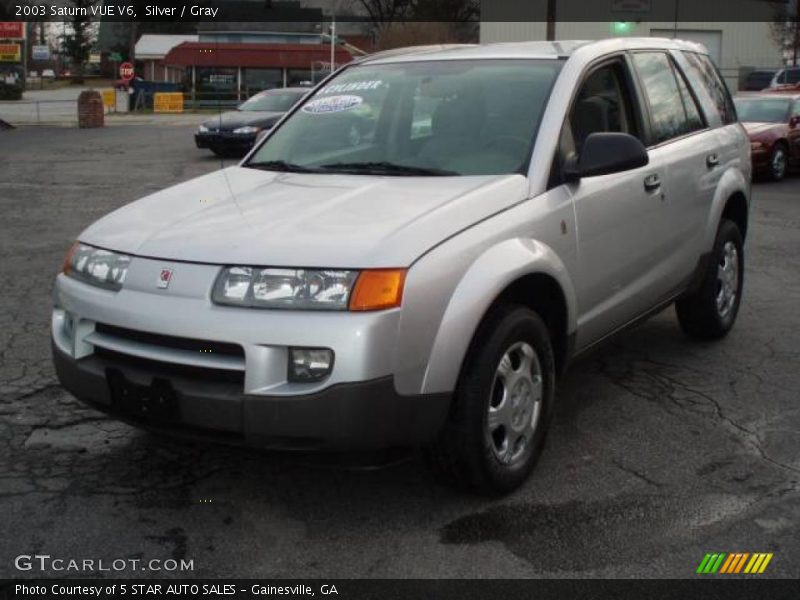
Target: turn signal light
pixel 378 289
pixel 67 266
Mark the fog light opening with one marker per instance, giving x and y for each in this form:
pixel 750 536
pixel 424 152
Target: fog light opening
pixel 308 365
pixel 69 325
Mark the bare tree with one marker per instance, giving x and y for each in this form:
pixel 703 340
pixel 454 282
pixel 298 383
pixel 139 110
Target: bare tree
pixel 401 34
pixel 78 44
pixel 434 21
pixel 785 29
pixel 382 12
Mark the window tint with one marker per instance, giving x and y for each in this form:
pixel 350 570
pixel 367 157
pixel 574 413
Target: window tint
pixel 668 114
pixel 693 117
pixel 602 104
pixel 792 75
pixel 707 73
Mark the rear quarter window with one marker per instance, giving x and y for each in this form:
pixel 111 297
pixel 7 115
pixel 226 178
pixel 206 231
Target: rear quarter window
pixel 704 72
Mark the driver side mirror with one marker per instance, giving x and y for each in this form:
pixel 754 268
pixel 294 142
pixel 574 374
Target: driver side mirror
pixel 606 153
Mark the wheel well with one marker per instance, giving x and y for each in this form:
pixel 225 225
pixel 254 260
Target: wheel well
pixel 544 295
pixel 736 211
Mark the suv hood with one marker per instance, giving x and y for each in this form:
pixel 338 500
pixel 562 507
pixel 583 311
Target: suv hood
pixel 248 216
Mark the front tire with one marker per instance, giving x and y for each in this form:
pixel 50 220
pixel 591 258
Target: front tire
pixel 502 405
pixel 710 312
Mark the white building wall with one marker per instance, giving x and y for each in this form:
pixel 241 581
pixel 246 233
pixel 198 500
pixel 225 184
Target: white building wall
pixel 742 45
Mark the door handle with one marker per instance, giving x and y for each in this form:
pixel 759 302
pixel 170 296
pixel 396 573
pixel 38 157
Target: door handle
pixel 652 182
pixel 712 160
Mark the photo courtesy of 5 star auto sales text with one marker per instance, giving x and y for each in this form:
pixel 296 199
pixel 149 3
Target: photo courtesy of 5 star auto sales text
pixel 367 299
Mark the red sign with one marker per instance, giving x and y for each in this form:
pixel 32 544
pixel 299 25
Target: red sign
pixel 126 71
pixel 10 30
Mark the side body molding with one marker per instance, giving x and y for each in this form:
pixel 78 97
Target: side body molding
pixel 490 274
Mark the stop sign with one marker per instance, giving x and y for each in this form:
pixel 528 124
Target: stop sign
pixel 126 71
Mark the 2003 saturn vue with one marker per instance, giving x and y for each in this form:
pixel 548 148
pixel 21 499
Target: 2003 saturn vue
pixel 501 210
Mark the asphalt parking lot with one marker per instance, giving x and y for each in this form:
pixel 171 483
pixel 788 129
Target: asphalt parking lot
pixel 662 449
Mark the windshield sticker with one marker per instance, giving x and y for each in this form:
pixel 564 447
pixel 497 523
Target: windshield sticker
pixel 332 104
pixel 355 86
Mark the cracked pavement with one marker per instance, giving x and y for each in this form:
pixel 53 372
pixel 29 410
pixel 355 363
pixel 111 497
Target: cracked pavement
pixel 662 449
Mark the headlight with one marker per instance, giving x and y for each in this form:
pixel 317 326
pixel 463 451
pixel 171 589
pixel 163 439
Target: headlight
pixel 284 288
pixel 96 266
pixel 246 130
pixel 304 289
pixel 202 129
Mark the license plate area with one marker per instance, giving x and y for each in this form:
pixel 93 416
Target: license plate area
pixel 156 402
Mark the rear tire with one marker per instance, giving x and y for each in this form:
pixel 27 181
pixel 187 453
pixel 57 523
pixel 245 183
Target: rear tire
pixel 502 405
pixel 710 312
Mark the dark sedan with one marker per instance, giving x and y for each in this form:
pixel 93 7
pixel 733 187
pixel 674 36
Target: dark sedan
pixel 234 132
pixel 758 80
pixel 772 122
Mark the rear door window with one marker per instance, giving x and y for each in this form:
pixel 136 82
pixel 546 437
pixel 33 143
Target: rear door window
pixel 693 115
pixel 673 112
pixel 706 73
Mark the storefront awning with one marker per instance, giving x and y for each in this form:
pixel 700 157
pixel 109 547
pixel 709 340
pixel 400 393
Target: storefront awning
pixel 265 56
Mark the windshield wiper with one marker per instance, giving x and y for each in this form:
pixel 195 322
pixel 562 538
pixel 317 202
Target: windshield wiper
pixel 281 165
pixel 385 168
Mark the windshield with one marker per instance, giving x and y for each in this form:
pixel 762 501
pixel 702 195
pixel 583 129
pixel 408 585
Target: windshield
pixel 762 110
pixel 272 102
pixel 456 117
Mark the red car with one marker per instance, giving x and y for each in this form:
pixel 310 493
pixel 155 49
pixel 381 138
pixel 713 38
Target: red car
pixel 772 121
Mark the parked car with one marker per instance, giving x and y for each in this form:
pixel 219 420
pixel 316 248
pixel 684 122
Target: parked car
pixel 789 75
pixel 233 133
pixel 49 74
pixel 758 80
pixel 772 122
pixel 425 286
pixel 785 88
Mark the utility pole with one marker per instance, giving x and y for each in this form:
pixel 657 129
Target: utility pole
pixel 551 20
pixel 675 28
pixel 333 38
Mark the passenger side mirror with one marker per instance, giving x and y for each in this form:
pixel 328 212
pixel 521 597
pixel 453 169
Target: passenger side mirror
pixel 605 153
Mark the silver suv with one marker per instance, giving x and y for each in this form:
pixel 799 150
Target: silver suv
pixel 416 251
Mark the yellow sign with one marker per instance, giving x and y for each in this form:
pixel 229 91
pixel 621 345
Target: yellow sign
pixel 109 98
pixel 10 53
pixel 168 102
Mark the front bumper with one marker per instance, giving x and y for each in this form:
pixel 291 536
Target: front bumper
pixel 225 141
pixel 349 416
pixel 228 365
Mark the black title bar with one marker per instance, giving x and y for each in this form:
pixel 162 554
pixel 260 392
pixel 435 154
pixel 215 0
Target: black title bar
pixel 243 11
pixel 707 588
